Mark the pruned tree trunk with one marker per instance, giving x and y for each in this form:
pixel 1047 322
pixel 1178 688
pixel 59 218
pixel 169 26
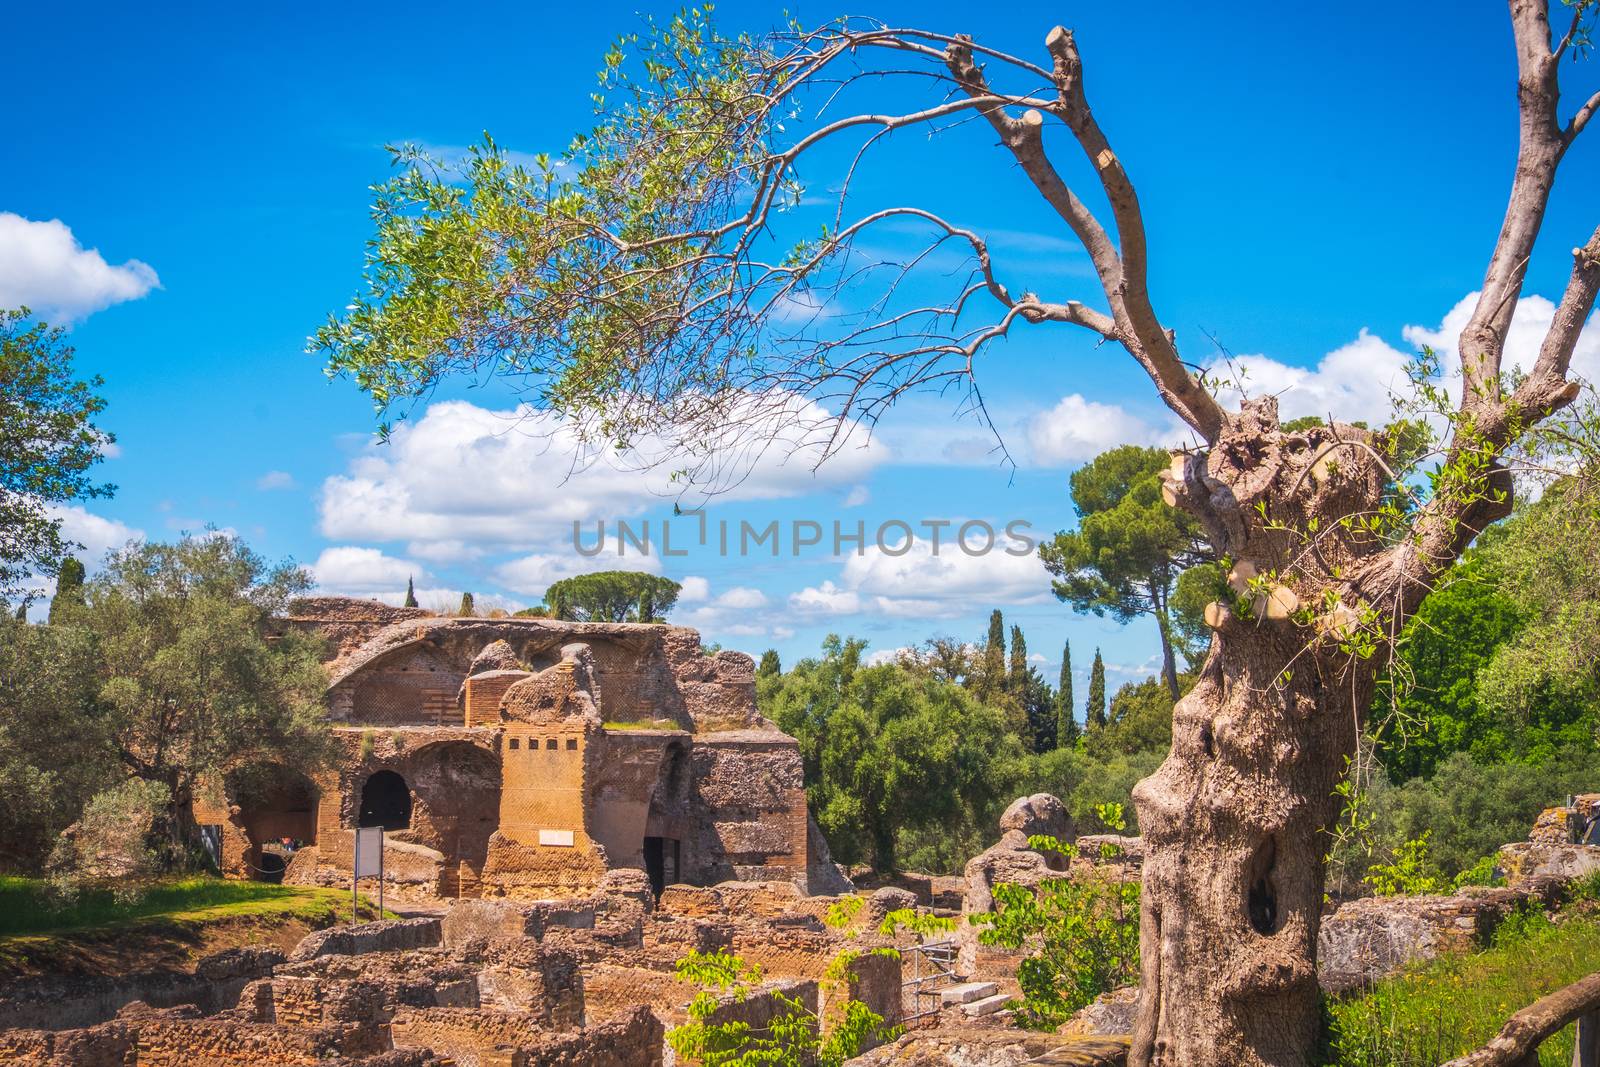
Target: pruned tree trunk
pixel 1234 827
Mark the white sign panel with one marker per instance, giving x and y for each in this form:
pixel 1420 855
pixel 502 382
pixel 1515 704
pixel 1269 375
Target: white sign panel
pixel 559 838
pixel 369 851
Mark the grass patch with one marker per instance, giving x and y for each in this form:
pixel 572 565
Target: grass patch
pixel 653 724
pixel 1449 1006
pixel 28 907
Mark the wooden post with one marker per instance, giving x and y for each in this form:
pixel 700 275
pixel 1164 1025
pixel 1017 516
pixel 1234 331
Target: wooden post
pixel 1586 1047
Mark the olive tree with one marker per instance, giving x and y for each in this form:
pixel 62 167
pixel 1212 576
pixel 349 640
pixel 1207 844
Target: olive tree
pixel 661 285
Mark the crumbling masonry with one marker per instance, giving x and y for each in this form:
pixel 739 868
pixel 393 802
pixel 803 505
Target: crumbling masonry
pixel 526 758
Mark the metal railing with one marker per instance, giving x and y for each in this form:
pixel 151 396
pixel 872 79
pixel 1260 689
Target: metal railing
pixel 932 966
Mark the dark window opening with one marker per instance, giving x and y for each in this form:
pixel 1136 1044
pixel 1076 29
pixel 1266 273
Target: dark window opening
pixel 515 744
pixel 550 743
pixel 661 859
pixel 572 744
pixel 385 802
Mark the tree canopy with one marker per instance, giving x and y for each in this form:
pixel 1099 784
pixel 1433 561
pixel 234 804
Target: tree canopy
pixel 612 596
pixel 188 683
pixel 889 751
pixel 1130 547
pixel 48 443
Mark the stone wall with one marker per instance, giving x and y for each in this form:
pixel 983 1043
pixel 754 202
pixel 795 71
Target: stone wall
pixel 394 935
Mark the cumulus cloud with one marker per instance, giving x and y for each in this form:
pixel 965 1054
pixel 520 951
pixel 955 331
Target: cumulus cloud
pixel 464 474
pixel 825 599
pixel 96 533
pixel 1355 382
pixel 879 656
pixel 1076 430
pixel 1359 380
pixel 1529 324
pixel 736 612
pixel 353 570
pixel 43 267
pixel 533 574
pixel 919 584
pixel 693 589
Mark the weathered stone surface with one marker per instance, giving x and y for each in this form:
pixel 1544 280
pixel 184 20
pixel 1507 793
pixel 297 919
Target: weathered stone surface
pixel 386 936
pixel 495 731
pixel 1040 813
pixel 1111 1014
pixel 883 901
pixel 1366 939
pixel 1530 864
pixel 961 1047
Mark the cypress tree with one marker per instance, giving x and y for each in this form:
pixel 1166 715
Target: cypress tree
pixel 1095 713
pixel 1017 673
pixel 411 593
pixel 1066 722
pixel 69 589
pixel 22 612
pixel 994 653
pixel 468 608
pixel 770 664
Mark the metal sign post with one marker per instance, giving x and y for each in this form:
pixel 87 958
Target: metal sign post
pixel 368 857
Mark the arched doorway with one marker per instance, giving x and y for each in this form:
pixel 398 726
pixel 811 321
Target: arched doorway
pixel 385 802
pixel 277 810
pixel 457 794
pixel 665 824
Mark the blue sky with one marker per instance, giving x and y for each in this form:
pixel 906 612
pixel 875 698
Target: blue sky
pixel 189 186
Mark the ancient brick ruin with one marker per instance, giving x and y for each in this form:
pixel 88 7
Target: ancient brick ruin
pixel 526 758
pixel 573 981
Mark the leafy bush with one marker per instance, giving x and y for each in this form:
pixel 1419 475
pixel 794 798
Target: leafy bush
pixel 1413 871
pixel 1083 933
pixel 116 837
pixel 792 1038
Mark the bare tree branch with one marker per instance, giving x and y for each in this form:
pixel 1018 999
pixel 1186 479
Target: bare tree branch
pixel 1540 148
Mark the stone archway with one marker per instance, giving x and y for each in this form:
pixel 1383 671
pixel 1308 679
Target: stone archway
pixel 385 801
pixel 277 810
pixel 667 820
pixel 457 789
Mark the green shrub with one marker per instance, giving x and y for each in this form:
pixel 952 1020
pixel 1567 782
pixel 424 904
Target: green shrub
pixel 1083 933
pixel 792 1038
pixel 1413 871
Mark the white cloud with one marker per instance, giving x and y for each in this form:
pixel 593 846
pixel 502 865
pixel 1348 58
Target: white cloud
pixel 1529 324
pixel 96 533
pixel 826 599
pixel 448 551
pixel 1355 382
pixel 737 612
pixel 1076 430
pixel 43 267
pixel 535 573
pixel 466 475
pixel 275 480
pixel 693 590
pixel 1358 381
pixel 920 584
pixel 353 570
pixel 858 495
pixel 879 656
